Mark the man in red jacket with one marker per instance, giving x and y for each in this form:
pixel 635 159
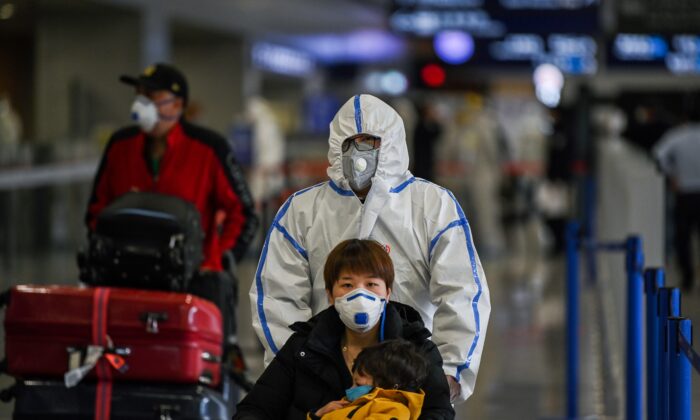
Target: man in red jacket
pixel 168 155
pixel 164 153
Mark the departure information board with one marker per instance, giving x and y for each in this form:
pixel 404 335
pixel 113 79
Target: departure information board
pixel 494 18
pixel 678 53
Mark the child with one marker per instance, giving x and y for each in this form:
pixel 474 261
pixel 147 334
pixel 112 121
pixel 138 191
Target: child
pixel 387 378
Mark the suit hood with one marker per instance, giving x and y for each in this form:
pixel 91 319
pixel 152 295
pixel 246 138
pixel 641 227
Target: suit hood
pixel 367 114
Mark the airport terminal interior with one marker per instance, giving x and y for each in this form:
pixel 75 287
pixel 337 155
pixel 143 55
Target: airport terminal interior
pixel 538 115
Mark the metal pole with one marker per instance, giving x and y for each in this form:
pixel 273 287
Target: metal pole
pixel 635 344
pixel 669 305
pixel 572 282
pixel 654 278
pixel 679 386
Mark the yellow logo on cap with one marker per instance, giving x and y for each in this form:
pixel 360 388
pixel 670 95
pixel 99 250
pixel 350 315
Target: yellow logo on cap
pixel 149 70
pixel 175 87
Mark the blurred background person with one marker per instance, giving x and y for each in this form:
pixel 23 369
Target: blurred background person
pixel 426 135
pixel 166 154
pixel 678 154
pixel 372 194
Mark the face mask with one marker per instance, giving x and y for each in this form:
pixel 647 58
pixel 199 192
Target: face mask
pixel 359 167
pixel 360 309
pixel 144 113
pixel 357 391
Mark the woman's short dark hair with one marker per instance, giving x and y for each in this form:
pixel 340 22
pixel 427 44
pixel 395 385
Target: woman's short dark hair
pixel 393 364
pixel 358 256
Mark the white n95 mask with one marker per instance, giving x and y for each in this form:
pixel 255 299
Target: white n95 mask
pixel 359 167
pixel 145 113
pixel 360 309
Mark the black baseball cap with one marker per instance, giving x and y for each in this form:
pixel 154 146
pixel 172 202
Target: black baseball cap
pixel 160 76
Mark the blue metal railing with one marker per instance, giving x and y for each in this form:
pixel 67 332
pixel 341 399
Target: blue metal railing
pixel 654 280
pixel 679 366
pixel 669 305
pixel 669 351
pixel 635 328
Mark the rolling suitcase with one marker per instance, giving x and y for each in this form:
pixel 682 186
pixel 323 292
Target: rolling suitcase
pixel 41 399
pixel 141 335
pixel 144 241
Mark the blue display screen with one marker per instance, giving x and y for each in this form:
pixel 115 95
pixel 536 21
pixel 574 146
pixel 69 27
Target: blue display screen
pixel 678 53
pixel 495 18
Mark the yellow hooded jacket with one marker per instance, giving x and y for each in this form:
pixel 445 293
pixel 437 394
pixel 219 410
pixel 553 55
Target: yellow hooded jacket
pixel 381 404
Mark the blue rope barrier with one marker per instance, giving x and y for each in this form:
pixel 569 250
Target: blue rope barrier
pixel 679 366
pixel 668 305
pixel 689 352
pixel 604 246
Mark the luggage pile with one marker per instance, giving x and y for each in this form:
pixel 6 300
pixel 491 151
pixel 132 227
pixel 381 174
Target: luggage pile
pixel 134 345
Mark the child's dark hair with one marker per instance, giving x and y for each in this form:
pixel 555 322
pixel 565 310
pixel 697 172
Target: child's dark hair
pixel 393 364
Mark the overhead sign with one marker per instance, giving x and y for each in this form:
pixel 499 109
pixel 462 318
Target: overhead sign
pixel 283 60
pixel 572 54
pixel 676 53
pixel 494 18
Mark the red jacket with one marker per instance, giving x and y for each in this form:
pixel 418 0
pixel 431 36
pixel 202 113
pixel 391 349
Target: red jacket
pixel 198 166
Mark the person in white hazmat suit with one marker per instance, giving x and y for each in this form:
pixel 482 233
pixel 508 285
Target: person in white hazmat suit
pixel 372 194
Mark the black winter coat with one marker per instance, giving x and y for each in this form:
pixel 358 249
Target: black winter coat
pixel 309 371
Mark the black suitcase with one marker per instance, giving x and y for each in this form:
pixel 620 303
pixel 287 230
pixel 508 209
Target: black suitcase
pixel 130 401
pixel 146 241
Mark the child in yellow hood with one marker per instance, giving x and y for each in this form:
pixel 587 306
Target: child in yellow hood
pixel 387 377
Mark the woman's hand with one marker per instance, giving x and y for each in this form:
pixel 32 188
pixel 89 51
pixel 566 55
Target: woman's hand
pixel 331 406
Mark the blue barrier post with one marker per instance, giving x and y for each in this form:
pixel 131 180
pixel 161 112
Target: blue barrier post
pixel 679 386
pixel 654 278
pixel 669 305
pixel 635 344
pixel 572 282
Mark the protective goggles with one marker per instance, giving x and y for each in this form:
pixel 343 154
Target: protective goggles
pixel 362 142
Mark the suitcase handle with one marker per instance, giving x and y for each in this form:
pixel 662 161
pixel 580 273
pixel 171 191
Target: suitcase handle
pixel 151 319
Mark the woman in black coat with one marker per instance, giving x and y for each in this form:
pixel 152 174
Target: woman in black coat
pixel 314 367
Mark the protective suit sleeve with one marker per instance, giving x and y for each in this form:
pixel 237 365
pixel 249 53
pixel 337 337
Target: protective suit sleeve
pixel 459 291
pixel 281 291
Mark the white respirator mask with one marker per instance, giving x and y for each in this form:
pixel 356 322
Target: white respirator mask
pixel 360 309
pixel 145 113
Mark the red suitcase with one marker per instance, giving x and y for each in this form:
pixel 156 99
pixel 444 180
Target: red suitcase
pixel 162 336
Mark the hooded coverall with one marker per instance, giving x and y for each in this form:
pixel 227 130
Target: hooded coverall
pixel 422 226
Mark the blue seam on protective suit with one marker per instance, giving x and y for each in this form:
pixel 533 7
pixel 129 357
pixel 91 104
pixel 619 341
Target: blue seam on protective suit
pixel 259 289
pixel 475 273
pixel 459 222
pixel 294 243
pixel 462 221
pixel 263 258
pixel 339 190
pixel 403 185
pixel 358 114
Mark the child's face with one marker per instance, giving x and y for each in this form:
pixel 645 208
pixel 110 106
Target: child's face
pixel 362 379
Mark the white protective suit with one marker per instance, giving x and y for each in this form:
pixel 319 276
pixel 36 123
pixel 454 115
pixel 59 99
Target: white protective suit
pixel 438 271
